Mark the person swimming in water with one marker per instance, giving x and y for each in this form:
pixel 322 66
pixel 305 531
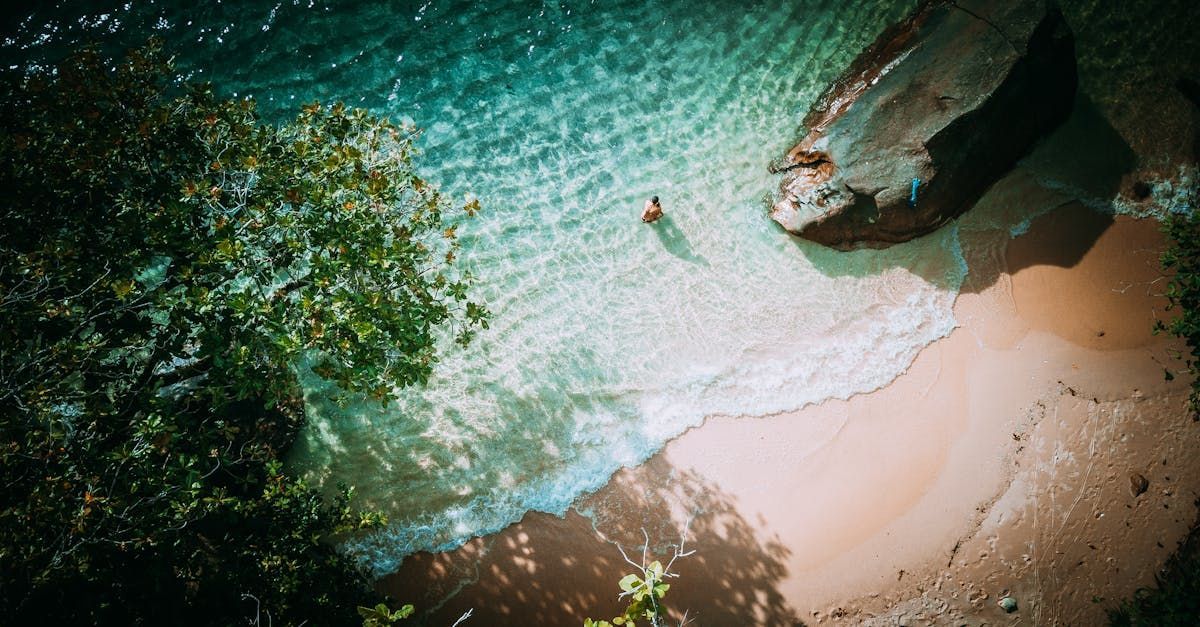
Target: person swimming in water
pixel 652 210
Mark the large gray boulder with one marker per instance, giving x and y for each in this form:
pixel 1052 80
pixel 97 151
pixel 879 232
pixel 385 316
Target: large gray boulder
pixel 951 96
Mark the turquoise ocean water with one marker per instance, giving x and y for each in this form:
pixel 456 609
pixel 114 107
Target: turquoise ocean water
pixel 610 336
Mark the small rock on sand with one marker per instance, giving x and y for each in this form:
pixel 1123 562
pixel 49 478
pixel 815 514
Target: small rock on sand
pixel 1137 484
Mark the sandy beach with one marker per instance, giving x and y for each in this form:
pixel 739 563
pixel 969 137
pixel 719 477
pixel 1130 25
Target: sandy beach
pixel 346 313
pixel 1036 452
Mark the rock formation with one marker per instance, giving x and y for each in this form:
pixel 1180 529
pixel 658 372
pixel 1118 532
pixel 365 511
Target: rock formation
pixel 952 96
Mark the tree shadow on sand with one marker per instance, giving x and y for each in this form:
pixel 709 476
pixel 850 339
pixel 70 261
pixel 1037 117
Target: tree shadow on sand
pixel 1085 158
pixel 548 570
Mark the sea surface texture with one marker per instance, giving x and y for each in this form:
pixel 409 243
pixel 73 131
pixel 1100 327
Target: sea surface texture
pixel 610 336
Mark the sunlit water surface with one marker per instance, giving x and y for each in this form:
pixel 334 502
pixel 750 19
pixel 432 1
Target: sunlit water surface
pixel 610 336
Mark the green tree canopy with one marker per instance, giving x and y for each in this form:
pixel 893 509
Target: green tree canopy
pixel 166 260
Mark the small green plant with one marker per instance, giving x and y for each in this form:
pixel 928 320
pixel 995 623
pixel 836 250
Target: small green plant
pixel 381 616
pixel 645 588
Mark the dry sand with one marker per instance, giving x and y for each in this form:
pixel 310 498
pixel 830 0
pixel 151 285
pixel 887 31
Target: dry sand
pixel 1005 461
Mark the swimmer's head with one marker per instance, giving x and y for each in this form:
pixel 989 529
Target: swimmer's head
pixel 654 199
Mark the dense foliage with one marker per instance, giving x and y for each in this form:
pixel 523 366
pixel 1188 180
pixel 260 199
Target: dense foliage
pixel 1182 259
pixel 166 261
pixel 1175 601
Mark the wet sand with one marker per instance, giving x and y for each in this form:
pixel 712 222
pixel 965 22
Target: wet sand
pixel 1005 461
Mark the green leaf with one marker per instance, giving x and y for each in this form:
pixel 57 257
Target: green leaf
pixel 122 288
pixel 629 582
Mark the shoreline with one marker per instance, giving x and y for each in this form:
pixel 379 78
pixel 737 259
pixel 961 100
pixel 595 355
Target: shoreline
pixel 998 462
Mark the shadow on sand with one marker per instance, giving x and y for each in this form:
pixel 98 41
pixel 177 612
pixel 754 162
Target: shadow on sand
pixel 548 570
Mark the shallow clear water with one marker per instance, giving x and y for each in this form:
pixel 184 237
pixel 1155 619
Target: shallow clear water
pixel 610 336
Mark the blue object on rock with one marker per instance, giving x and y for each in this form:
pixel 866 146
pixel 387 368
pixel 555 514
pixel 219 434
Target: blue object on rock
pixel 912 196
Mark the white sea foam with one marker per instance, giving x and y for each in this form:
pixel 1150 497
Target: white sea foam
pixel 611 336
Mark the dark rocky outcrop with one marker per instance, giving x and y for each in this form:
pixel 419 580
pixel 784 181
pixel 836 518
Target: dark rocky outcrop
pixel 953 95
